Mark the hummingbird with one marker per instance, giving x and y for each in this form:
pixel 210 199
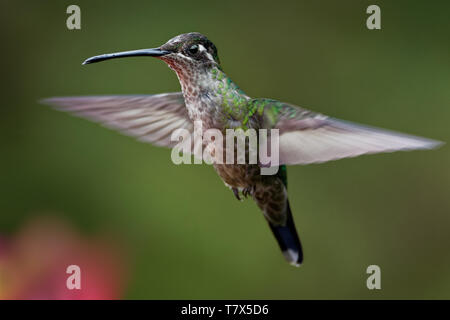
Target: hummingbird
pixel 209 95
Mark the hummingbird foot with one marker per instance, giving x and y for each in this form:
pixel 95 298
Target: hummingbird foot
pixel 236 193
pixel 247 191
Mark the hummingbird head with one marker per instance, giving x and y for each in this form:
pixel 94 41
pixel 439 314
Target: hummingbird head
pixel 190 51
pixel 191 55
pixel 184 53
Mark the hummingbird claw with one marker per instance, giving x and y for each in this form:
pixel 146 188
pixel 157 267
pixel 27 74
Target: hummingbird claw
pixel 247 191
pixel 236 193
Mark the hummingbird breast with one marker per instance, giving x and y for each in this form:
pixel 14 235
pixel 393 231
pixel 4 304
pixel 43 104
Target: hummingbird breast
pixel 210 95
pixel 214 99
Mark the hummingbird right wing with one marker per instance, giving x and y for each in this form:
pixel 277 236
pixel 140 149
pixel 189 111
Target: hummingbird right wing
pixel 150 118
pixel 309 137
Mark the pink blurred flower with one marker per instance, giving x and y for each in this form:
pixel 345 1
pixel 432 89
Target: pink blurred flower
pixel 33 264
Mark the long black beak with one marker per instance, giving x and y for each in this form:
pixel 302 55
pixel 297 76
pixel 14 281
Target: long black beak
pixel 156 52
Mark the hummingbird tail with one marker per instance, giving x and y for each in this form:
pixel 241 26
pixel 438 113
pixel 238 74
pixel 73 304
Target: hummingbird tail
pixel 288 239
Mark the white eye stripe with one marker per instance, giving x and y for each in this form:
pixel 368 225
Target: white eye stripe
pixel 210 57
pixel 184 56
pixel 201 48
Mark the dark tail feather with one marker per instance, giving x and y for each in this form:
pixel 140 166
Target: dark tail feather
pixel 288 239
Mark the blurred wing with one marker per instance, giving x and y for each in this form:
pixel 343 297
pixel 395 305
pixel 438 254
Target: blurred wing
pixel 308 137
pixel 150 118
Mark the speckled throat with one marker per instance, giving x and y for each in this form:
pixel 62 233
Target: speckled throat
pixel 210 95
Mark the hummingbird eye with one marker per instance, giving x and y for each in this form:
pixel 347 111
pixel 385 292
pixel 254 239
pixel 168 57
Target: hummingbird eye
pixel 193 49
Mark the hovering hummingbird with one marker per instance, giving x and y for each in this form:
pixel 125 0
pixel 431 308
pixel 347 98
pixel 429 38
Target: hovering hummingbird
pixel 210 96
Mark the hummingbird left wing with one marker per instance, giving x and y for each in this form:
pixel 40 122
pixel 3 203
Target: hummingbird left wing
pixel 150 118
pixel 309 137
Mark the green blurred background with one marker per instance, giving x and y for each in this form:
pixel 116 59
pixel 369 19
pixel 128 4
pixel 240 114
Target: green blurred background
pixel 185 235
